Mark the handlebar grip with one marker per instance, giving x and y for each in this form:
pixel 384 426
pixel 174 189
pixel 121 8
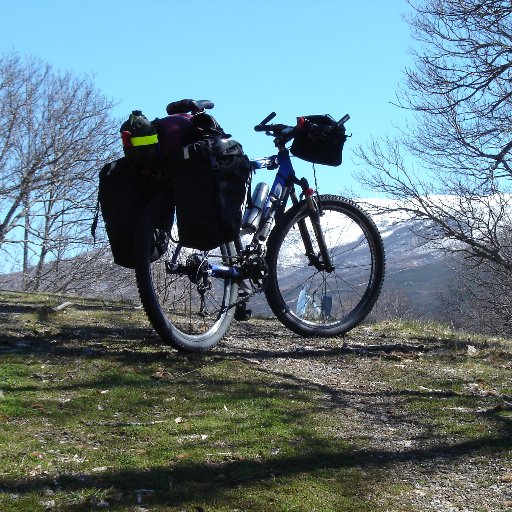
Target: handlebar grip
pixel 268 118
pixel 261 126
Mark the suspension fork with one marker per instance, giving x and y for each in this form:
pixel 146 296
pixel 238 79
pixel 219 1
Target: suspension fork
pixel 323 262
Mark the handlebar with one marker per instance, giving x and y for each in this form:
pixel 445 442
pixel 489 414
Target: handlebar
pixel 271 127
pixel 279 130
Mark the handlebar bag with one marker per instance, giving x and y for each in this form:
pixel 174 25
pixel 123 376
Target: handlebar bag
pixel 210 179
pixel 320 141
pixel 125 188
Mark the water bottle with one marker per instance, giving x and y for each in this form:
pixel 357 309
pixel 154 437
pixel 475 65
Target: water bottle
pixel 252 216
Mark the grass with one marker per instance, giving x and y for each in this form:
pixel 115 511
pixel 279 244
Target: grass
pixel 191 439
pixel 96 415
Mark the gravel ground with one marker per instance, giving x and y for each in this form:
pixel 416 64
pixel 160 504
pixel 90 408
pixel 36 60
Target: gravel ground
pixel 441 473
pixel 369 379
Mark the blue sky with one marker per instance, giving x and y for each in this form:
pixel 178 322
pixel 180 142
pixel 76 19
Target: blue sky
pixel 295 57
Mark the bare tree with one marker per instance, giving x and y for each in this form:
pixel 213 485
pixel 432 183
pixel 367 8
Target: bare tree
pixel 394 304
pixel 453 166
pixel 56 130
pixel 478 298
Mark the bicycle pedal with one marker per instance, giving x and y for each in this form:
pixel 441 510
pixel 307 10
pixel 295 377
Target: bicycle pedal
pixel 243 314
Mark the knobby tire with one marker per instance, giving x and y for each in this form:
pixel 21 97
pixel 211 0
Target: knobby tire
pixel 314 302
pixel 171 301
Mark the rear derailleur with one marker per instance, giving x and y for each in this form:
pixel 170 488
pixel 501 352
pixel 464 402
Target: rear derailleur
pixel 255 271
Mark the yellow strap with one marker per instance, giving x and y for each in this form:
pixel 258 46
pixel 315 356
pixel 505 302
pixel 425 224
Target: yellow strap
pixel 145 141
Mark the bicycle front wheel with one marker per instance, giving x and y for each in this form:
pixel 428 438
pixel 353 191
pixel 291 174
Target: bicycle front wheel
pixel 315 301
pixel 188 307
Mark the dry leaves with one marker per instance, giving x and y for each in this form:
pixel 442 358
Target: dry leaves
pixel 160 374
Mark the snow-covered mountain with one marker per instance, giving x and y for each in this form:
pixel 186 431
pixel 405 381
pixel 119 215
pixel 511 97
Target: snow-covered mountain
pixel 414 269
pixel 418 270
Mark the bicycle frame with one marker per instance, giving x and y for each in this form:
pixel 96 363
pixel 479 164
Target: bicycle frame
pixel 281 191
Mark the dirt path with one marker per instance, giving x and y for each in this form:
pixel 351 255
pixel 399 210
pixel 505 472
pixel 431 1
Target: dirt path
pixel 374 382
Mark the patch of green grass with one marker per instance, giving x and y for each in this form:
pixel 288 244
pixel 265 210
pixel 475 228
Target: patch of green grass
pixel 93 413
pixel 122 422
pixel 221 431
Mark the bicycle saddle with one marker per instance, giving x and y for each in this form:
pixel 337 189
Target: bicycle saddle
pixel 188 105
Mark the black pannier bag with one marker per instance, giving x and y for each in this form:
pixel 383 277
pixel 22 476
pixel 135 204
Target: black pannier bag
pixel 320 141
pixel 124 191
pixel 210 179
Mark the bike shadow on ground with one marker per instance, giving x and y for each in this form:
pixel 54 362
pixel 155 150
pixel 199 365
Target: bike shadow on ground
pixel 253 342
pixel 183 483
pixel 202 482
pixel 145 345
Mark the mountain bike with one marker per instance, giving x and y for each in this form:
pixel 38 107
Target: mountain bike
pixel 319 263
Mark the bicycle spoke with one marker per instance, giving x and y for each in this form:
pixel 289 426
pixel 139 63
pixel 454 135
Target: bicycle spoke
pixel 318 300
pixel 186 305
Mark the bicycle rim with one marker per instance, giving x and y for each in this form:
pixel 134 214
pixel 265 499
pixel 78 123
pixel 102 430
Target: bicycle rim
pixel 188 309
pixel 315 302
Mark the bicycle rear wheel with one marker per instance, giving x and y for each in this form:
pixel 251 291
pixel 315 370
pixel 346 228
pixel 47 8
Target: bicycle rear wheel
pixel 315 302
pixel 188 308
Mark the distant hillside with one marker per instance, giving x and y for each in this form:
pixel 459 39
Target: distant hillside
pixel 416 269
